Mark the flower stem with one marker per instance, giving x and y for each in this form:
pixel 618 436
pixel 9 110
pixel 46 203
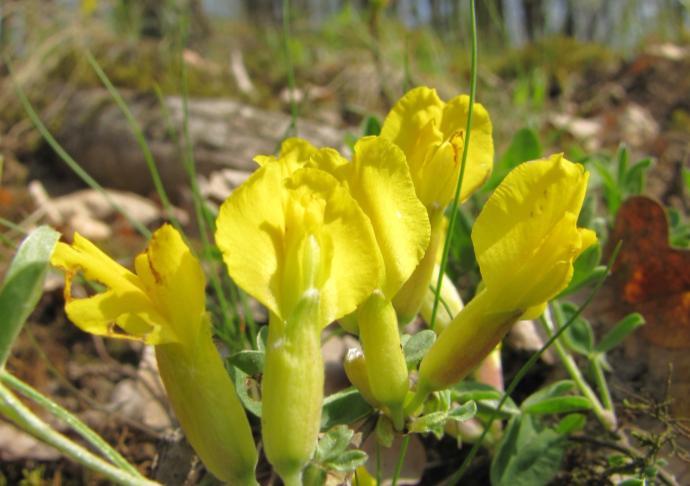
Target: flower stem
pixel 602 386
pixel 401 459
pixel 465 151
pixel 605 416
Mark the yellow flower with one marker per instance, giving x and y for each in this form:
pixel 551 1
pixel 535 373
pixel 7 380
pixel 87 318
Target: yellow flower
pixel 526 239
pixel 294 238
pixel 432 133
pixel 164 304
pixel 379 180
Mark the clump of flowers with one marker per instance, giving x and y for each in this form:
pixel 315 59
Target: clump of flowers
pixel 315 238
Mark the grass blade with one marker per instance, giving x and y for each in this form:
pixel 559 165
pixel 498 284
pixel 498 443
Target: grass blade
pixel 23 285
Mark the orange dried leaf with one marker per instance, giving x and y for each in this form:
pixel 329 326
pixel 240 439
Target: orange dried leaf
pixel 649 275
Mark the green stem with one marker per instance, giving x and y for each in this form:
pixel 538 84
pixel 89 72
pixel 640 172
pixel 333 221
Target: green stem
pixel 401 459
pixel 140 138
pixel 199 205
pixel 461 176
pixel 421 393
pixel 80 427
pixel 292 129
pixel 378 463
pixel 602 386
pixel 607 419
pixel 12 408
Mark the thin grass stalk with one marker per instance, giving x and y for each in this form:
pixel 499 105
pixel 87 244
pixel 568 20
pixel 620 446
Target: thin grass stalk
pixel 77 425
pixel 199 205
pixel 66 158
pixel 401 459
pixel 140 138
pixel 292 128
pixel 461 176
pixel 12 408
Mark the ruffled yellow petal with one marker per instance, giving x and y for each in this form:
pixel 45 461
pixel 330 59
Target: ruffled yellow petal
pixel 175 280
pixel 84 256
pixel 280 236
pixel 481 150
pixel 294 153
pixel 249 232
pixel 431 133
pixel 526 237
pixel 124 315
pixel 380 182
pixel 162 303
pixel 412 113
pixel 350 263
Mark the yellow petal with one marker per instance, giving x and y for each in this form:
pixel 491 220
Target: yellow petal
pixel 249 232
pixel 481 151
pixel 351 264
pixel 294 153
pixel 131 312
pixel 526 237
pixel 84 256
pixel 380 182
pixel 270 228
pixel 409 117
pixel 175 280
pixel 431 133
pixel 329 160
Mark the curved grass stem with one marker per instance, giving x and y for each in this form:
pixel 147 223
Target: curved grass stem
pixel 80 427
pixel 12 408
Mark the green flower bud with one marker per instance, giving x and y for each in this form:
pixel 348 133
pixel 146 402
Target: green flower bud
pixel 385 362
pixel 292 389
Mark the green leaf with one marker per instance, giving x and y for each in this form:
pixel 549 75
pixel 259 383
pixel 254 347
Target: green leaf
pixel 240 378
pixel 527 456
pixel 586 269
pixel 372 126
pixel 385 433
pixel 571 423
pixel 619 332
pixel 679 232
pixel 431 422
pixel 23 285
pixel 462 249
pixel 633 482
pixel 348 461
pixel 579 336
pixel 464 412
pixel 486 398
pixel 417 345
pixel 472 390
pixel 622 158
pixel 251 362
pixel 262 339
pixel 556 389
pixel 612 192
pixel 523 147
pixel 555 405
pixel 333 443
pixel 634 181
pixel 686 179
pixel 343 407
